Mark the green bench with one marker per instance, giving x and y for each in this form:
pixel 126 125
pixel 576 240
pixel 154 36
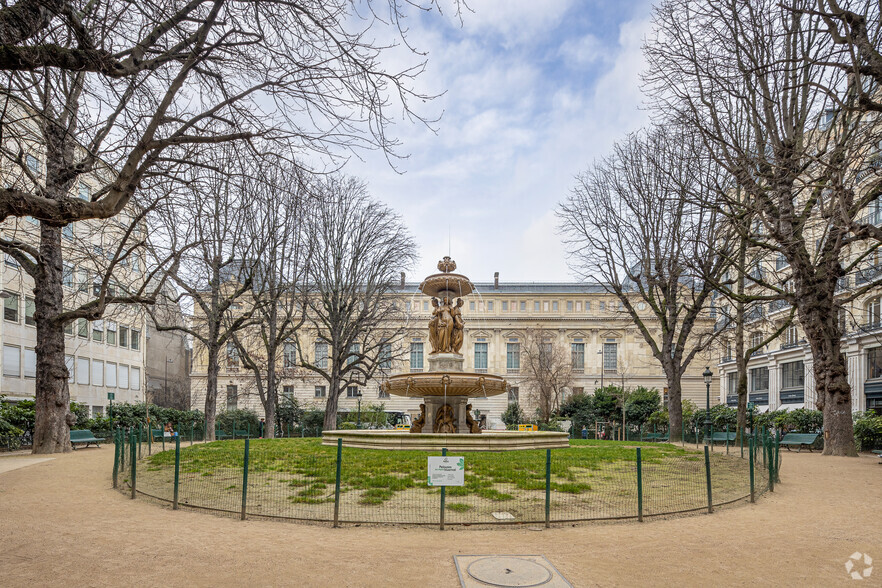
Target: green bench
pixel 664 438
pixel 238 433
pixel 84 436
pixel 879 453
pixel 218 434
pixel 656 437
pixel 799 439
pixel 159 435
pixel 723 436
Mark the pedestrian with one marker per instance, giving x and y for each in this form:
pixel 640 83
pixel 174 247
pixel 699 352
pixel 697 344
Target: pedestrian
pixel 262 425
pixel 584 431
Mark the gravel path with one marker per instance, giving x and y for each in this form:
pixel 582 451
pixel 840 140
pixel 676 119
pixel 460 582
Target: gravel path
pixel 62 524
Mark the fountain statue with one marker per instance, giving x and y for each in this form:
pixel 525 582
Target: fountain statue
pixel 445 387
pixel 445 419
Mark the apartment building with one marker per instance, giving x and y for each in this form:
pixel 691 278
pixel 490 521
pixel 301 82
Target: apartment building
pixel 603 344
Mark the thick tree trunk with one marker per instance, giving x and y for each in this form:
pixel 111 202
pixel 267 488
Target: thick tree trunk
pixel 269 429
pixel 819 321
pixel 53 416
pixel 331 405
pixel 675 407
pixel 211 392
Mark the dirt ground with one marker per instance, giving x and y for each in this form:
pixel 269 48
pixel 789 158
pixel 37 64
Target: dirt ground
pixel 62 524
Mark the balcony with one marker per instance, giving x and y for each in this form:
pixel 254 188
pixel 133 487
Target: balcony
pixel 842 283
pixel 867 275
pixel 874 164
pixel 776 305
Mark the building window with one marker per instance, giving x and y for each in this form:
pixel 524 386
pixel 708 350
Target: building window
pixel 759 379
pixel 587 306
pixel 732 378
pixel 135 383
pixel 232 354
pixel 381 393
pixel 320 392
pixel 123 336
pixel 98 331
pixel 11 361
pixel 69 363
pixel 289 355
pixel 523 306
pixel 30 308
pixel 136 339
pixel 123 376
pixel 555 306
pixel 10 307
pixel 792 375
pixel 756 339
pixel 68 328
pixel 82 280
pixel 602 305
pixel 321 355
pixel 67 232
pixel 490 306
pixel 874 312
pixel 110 375
pixel 67 276
pixel 232 397
pixel 83 371
pixel 578 353
pixel 416 356
pixel 97 372
pixel 874 363
pixel 504 305
pixel 513 395
pixel 791 336
pixel 111 333
pixel 30 363
pixel 425 305
pixel 385 356
pixel 471 305
pixel 84 192
pixel 513 356
pixel 535 306
pixel 352 392
pixel 480 356
pixel 288 391
pixel 354 351
pixel 569 306
pixel 83 328
pixel 610 357
pixel 33 164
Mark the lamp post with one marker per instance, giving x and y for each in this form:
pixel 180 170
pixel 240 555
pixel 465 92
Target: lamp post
pixel 358 396
pixel 600 353
pixel 707 419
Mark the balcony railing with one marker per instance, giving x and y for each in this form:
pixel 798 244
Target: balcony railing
pixel 874 164
pixel 867 275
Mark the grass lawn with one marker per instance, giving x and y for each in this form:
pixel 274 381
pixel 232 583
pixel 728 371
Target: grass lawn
pixel 296 478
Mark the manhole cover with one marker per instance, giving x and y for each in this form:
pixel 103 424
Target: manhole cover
pixel 509 572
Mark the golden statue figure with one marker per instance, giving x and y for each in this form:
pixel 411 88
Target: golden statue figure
pixel 444 420
pixel 441 326
pixel 417 425
pixel 474 427
pixel 458 327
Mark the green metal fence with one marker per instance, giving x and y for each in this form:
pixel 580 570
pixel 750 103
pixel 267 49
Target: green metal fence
pixel 281 479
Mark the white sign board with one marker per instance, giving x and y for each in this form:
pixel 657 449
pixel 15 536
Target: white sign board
pixel 446 471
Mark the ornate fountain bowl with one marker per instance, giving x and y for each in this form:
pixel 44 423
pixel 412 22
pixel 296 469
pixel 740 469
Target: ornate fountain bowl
pixel 449 384
pixel 455 285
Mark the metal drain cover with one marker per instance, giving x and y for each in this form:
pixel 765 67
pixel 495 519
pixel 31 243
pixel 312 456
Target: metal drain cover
pixel 508 571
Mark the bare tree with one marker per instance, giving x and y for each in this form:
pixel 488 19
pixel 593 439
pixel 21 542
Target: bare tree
pixel 139 90
pixel 359 246
pixel 547 369
pixel 755 80
pixel 637 224
pixel 277 291
pixel 217 220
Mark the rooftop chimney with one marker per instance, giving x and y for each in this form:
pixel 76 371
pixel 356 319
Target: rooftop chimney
pixel 402 279
pixel 496 280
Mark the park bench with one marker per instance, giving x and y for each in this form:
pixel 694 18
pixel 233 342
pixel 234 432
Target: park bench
pixel 723 436
pixel 84 436
pixel 241 433
pixel 218 434
pixel 879 453
pixel 664 437
pixel 159 435
pixel 799 439
pixel 651 436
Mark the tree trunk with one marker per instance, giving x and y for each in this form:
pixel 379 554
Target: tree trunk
pixel 819 321
pixel 331 405
pixel 272 397
pixel 675 408
pixel 740 357
pixel 53 416
pixel 211 392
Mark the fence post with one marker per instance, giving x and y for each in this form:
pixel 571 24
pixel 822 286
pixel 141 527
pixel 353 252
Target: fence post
pixel 639 487
pixel 750 456
pixel 115 456
pixel 134 466
pixel 547 488
pixel 337 483
pixel 443 493
pixel 191 434
pixel 710 501
pixel 245 481
pixel 741 437
pixel 140 434
pixel 177 470
pixel 163 437
pixel 727 438
pixel 150 438
pixel 123 433
pixel 777 455
pixel 771 465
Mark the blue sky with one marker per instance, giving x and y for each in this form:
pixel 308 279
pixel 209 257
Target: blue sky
pixel 534 92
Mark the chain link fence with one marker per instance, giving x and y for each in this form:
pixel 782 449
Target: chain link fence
pixel 303 480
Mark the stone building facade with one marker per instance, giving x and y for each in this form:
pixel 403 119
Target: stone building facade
pixel 604 348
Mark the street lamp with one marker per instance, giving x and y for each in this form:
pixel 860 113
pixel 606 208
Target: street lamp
pixel 707 418
pixel 358 396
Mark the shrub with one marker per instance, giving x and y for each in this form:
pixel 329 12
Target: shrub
pixel 513 416
pixel 240 419
pixel 641 404
pixel 867 431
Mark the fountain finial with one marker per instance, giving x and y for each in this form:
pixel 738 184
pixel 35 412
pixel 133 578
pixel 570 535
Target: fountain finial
pixel 446 265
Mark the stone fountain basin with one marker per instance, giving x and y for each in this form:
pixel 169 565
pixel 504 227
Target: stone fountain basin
pixel 457 384
pixel 486 441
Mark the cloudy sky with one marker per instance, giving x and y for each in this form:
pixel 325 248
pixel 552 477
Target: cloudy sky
pixel 534 92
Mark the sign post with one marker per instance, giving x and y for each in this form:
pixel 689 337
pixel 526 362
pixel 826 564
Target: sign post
pixel 447 470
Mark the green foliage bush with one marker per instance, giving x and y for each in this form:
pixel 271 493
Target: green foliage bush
pixel 239 419
pixel 513 416
pixel 641 404
pixel 867 431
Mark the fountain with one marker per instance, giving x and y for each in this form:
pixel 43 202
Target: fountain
pixel 445 414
